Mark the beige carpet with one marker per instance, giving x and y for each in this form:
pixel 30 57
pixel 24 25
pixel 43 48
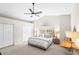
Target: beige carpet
pixel 54 49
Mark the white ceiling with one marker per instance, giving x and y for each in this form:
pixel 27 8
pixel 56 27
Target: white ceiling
pixel 17 10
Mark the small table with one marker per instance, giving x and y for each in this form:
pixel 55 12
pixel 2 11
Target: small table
pixel 76 51
pixel 56 40
pixel 71 48
pixel 68 44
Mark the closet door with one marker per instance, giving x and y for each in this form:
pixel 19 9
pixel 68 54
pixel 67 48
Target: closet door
pixel 27 31
pixel 1 35
pixel 8 34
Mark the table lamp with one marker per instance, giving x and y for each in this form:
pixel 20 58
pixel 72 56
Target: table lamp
pixel 72 36
pixel 55 33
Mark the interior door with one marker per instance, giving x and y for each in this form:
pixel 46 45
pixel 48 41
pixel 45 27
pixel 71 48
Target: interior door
pixel 8 34
pixel 27 31
pixel 1 35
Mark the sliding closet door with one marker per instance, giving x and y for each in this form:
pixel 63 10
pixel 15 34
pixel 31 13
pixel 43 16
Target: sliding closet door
pixel 8 34
pixel 1 35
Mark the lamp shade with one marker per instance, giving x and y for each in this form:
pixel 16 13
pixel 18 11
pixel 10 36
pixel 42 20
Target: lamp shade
pixel 73 35
pixel 68 34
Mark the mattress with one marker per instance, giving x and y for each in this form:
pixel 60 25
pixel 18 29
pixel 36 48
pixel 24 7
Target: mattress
pixel 40 42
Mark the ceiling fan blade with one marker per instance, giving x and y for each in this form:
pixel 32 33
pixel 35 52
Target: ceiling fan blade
pixel 31 10
pixel 38 12
pixel 27 13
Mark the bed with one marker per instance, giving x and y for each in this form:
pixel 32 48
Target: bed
pixel 43 43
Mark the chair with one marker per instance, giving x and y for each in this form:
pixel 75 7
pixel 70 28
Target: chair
pixel 67 43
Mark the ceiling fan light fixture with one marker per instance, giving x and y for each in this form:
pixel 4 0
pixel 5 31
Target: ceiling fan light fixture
pixel 33 12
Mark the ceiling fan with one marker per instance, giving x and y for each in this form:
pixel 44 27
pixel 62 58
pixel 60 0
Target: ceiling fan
pixel 32 11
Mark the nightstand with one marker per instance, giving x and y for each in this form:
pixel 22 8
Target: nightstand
pixel 56 40
pixel 71 47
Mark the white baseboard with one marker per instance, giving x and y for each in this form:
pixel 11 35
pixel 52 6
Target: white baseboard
pixel 23 42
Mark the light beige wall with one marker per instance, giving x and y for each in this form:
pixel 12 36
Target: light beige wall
pixel 65 25
pixel 18 28
pixel 52 21
pixel 75 21
pixel 75 17
pixel 58 23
